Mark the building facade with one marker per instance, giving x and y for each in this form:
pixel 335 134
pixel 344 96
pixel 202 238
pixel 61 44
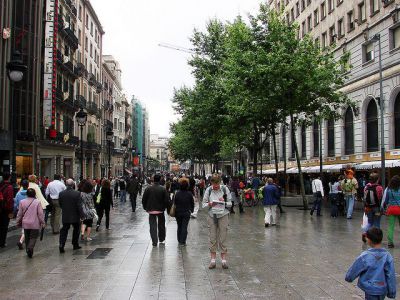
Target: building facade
pixel 348 26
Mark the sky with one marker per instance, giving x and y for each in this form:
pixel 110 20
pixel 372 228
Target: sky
pixel 133 31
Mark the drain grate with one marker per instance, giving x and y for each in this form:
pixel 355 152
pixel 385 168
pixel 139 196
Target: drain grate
pixel 99 253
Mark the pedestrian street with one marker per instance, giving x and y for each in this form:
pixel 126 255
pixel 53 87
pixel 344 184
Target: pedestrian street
pixel 303 258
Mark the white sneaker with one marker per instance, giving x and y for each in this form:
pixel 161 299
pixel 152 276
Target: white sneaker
pixel 89 239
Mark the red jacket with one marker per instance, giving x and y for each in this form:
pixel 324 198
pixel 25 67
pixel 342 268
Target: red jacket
pixel 8 195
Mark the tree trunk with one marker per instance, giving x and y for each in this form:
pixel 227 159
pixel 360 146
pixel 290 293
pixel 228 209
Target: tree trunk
pixel 275 153
pixel 303 193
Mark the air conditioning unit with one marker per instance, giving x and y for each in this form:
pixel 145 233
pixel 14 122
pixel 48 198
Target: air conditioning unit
pixel 66 59
pixel 66 95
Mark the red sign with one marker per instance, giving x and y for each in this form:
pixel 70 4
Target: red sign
pixel 136 161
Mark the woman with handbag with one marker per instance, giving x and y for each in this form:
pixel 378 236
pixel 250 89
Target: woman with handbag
pixel 392 202
pixel 184 206
pixel 86 189
pixel 31 218
pixel 104 202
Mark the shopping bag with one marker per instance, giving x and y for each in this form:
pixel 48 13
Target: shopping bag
pixel 364 224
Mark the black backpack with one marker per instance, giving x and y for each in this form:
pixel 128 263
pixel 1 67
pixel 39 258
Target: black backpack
pixel 371 196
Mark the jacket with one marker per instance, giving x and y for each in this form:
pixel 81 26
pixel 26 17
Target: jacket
pixel 21 195
pixel 391 198
pixel 106 198
pixel 349 186
pixel 70 203
pixel 133 186
pixel 184 203
pixel 375 268
pixel 30 214
pixel 8 195
pixel 87 206
pixel 271 194
pixel 155 198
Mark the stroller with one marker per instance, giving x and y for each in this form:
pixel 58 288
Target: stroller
pixel 337 204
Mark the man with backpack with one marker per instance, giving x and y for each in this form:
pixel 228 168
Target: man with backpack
pixel 6 207
pixel 349 187
pixel 373 193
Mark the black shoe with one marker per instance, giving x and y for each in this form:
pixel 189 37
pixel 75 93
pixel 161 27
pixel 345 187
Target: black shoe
pixel 311 212
pixel 97 227
pixel 61 249
pixel 266 224
pixel 29 252
pixel 77 247
pixel 154 244
pixel 390 245
pixel 20 246
pixel 3 246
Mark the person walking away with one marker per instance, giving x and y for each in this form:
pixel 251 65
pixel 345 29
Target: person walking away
pixel 6 207
pixel 31 218
pixel 334 186
pixel 184 203
pixel 21 195
pixel 71 206
pixel 375 269
pixel 235 188
pixel 270 202
pixel 116 188
pixel 255 185
pixel 105 204
pixel 52 193
pixel 392 204
pixel 86 190
pixel 155 201
pixel 349 188
pixel 122 188
pixel 281 211
pixel 318 193
pixel 33 185
pixel 373 193
pixel 133 190
pixel 218 199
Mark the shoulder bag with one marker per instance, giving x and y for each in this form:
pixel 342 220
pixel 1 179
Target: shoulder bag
pixel 393 210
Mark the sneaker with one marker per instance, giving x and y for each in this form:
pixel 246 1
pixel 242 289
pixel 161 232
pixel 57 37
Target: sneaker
pixel 162 242
pixel 20 246
pixel 225 265
pixel 212 265
pixel 89 239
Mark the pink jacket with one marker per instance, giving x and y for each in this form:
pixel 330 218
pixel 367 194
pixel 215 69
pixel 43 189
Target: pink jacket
pixel 30 214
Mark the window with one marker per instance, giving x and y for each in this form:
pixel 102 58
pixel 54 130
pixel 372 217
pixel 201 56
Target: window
pixel 368 52
pixel 362 14
pixel 397 122
pixel 332 35
pixel 87 21
pixel 95 35
pixel 350 21
pixel 80 12
pixel 340 28
pixel 331 137
pixel 79 36
pixel 316 17
pixel 316 138
pixel 308 2
pixel 303 5
pixel 65 85
pixel 287 19
pixel 303 29
pixel 394 38
pixel 58 122
pixel 372 126
pixel 317 42
pixel 309 23
pixel 324 41
pixel 348 132
pixel 91 50
pixel 303 141
pixel 323 10
pixel 91 28
pixel 331 6
pixel 297 9
pixel 374 5
pixel 292 14
pixel 86 43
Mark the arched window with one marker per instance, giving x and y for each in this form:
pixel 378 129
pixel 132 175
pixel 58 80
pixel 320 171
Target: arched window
pixel 397 121
pixel 348 132
pixel 372 127
pixel 331 137
pixel 316 138
pixel 303 141
pixel 283 142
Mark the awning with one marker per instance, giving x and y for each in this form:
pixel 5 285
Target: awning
pixel 368 165
pixel 270 171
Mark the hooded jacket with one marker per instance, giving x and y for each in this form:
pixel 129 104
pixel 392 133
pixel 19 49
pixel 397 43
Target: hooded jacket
pixel 375 268
pixel 18 198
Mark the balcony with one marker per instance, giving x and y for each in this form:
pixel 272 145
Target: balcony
pixel 80 70
pixel 74 10
pixel 71 38
pixel 109 125
pixel 99 87
pixel 60 23
pixel 92 108
pixel 118 151
pixel 81 101
pixel 69 67
pixel 92 79
pixel 92 146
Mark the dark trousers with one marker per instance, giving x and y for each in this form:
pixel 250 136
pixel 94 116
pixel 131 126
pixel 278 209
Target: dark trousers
pixel 133 198
pixel 374 297
pixel 183 222
pixel 100 213
pixel 4 222
pixel 31 236
pixel 157 221
pixel 317 204
pixel 64 234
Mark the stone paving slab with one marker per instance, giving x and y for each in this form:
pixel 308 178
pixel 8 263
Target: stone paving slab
pixel 302 258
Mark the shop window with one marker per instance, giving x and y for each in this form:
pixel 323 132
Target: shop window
pixel 372 127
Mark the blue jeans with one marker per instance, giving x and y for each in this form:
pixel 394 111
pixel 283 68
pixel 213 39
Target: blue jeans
pixel 349 205
pixel 373 219
pixel 374 297
pixel 317 204
pixel 123 195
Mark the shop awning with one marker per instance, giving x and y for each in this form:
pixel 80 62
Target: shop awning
pixel 368 165
pixel 270 171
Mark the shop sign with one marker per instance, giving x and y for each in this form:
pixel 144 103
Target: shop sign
pixel 345 158
pixel 359 156
pixel 374 155
pixel 394 152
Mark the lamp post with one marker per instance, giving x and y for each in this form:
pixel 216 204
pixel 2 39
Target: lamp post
pixel 81 118
pixel 15 72
pixel 124 146
pixel 109 136
pixel 377 38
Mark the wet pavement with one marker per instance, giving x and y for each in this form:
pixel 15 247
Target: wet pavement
pixel 302 258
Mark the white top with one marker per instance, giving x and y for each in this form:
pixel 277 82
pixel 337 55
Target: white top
pixel 54 188
pixel 317 186
pixel 217 196
pixel 335 187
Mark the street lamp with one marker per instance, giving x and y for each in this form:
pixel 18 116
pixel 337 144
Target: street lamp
pixel 81 118
pixel 124 145
pixel 15 72
pixel 109 136
pixel 377 38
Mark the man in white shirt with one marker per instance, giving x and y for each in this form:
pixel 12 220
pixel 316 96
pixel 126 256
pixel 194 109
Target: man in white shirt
pixel 53 191
pixel 318 192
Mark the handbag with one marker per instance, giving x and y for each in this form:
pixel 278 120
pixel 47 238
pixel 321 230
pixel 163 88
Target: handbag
pixel 393 210
pixel 172 210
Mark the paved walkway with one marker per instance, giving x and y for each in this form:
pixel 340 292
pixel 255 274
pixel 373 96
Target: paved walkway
pixel 303 258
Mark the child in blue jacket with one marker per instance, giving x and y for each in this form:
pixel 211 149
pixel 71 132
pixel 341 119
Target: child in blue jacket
pixel 375 268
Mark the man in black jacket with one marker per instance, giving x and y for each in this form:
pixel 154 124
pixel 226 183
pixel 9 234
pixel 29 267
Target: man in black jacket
pixel 133 189
pixel 155 200
pixel 70 203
